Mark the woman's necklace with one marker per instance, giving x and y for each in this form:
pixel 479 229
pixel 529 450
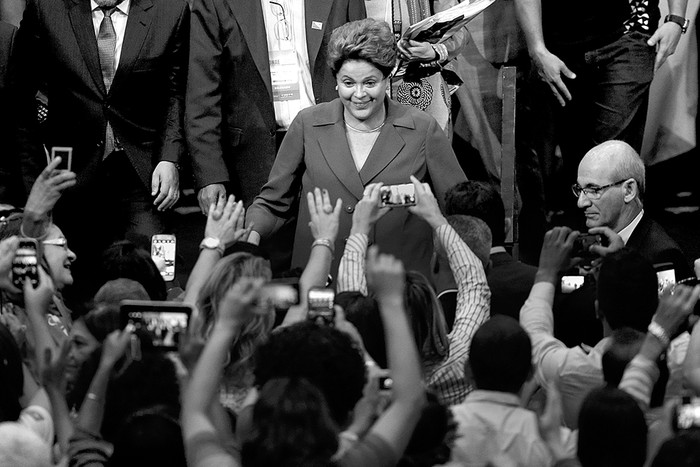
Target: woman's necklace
pixel 365 131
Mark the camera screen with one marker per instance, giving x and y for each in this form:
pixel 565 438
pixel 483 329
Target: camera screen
pixel 164 249
pixel 163 327
pixel 398 195
pixel 688 416
pixel 25 265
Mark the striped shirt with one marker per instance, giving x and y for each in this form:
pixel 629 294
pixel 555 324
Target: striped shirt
pixel 446 377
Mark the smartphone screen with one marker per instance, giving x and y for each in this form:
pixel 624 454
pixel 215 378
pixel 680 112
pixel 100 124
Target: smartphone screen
pixel 571 283
pixel 398 195
pixel 665 276
pixel 25 264
pixel 320 302
pixel 163 322
pixel 66 155
pixel 163 254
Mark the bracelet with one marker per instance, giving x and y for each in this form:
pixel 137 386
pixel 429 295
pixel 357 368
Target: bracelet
pixel 324 242
pixel 660 333
pixel 92 396
pixel 349 436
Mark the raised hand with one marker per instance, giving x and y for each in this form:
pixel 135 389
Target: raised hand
pixel 225 221
pixel 114 347
pixel 556 253
pixel 385 274
pixel 426 206
pixel 325 217
pixel 53 368
pixel 674 309
pixel 368 210
pixel 238 305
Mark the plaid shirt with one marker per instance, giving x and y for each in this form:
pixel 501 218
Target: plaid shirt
pixel 445 377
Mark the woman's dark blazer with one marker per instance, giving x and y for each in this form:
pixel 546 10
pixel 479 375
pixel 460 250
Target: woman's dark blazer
pixel 315 153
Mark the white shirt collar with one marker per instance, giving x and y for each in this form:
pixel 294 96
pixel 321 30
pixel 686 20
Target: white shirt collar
pixel 627 231
pixel 122 7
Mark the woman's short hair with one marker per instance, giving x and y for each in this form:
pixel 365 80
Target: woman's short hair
pixel 226 273
pixel 367 39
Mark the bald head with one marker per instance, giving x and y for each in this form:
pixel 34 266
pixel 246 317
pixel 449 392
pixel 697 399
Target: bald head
pixel 614 176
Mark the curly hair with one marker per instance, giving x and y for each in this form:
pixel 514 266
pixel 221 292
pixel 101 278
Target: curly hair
pixel 367 39
pixel 292 426
pixel 324 355
pixel 255 331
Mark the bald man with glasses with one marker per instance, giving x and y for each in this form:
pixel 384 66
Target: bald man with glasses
pixel 610 189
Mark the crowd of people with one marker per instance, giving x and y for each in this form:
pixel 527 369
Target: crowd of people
pixel 412 337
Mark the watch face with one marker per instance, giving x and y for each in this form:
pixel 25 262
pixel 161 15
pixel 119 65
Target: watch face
pixel 210 242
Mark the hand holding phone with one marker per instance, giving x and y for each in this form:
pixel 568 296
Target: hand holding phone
pixel 162 321
pixel 163 247
pixel 320 302
pixel 583 244
pixel 397 195
pixel 66 155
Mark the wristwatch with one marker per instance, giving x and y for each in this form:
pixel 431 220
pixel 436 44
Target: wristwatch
pixel 679 20
pixel 212 243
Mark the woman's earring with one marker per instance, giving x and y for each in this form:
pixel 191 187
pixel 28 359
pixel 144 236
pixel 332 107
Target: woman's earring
pixel 336 87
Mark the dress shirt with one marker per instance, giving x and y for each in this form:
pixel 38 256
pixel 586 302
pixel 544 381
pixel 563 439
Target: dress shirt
pixel 492 425
pixel 627 231
pixel 119 18
pixel 445 377
pixel 577 370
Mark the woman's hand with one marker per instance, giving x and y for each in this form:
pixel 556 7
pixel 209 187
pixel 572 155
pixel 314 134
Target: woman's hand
pixel 414 51
pixel 46 191
pixel 38 300
pixel 53 369
pixel 114 347
pixel 325 217
pixel 238 304
pixel 368 210
pixel 385 274
pixel 8 250
pixel 225 221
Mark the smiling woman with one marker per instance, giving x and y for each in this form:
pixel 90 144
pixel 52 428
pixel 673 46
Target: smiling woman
pixel 360 138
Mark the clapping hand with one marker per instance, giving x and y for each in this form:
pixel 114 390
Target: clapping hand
pixel 325 217
pixel 368 210
pixel 225 221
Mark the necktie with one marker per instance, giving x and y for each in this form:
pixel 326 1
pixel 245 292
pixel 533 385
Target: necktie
pixel 106 47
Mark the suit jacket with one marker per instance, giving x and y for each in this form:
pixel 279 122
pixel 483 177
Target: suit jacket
pixel 652 241
pixel 231 127
pixel 10 188
pixel 510 282
pixel 315 153
pixel 56 43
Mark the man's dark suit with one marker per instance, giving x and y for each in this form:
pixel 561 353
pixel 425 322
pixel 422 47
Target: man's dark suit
pixel 231 126
pixel 652 241
pixel 11 191
pixel 510 282
pixel 57 44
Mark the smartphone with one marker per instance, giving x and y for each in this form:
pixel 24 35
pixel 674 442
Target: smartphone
pixel 320 302
pixel 163 322
pixel 163 254
pixel 571 283
pixel 281 293
pixel 26 263
pixel 398 195
pixel 686 415
pixel 583 244
pixel 66 155
pixel 665 276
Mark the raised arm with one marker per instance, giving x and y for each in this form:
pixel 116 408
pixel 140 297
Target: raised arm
pixel 202 442
pixel 351 270
pixel 386 278
pixel 45 192
pixel 325 218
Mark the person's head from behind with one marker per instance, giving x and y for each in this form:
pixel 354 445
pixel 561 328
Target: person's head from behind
pixel 610 185
pixel 363 312
pixel 125 259
pixel 116 290
pixel 324 356
pixel 291 426
pixel 624 345
pixel 426 317
pixel 500 355
pixel 482 200
pixel 148 437
pixel 21 447
pixel 612 430
pixel 224 275
pixel 683 450
pixel 627 290
pixel 361 55
pixel 476 234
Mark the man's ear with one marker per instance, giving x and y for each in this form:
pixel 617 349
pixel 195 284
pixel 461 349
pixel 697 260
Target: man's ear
pixel 631 190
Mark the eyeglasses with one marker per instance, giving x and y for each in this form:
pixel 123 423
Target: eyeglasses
pixel 62 242
pixel 282 32
pixel 593 192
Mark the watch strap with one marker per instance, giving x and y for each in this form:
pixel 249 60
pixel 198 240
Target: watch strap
pixel 679 20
